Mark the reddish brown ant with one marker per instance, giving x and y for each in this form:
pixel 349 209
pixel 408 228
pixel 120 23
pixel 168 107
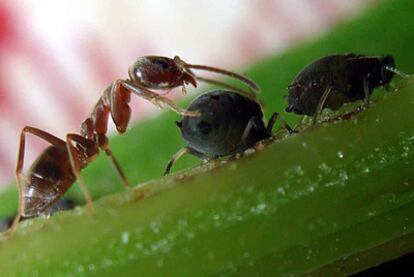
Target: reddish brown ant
pixel 60 164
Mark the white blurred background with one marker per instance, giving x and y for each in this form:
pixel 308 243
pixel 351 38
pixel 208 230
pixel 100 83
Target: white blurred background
pixel 57 56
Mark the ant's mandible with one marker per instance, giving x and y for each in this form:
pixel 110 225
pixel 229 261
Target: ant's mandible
pixel 60 164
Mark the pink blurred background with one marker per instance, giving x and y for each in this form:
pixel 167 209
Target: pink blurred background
pixel 56 57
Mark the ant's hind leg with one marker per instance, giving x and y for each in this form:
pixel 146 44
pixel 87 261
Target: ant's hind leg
pixel 19 169
pixel 174 158
pixel 74 159
pixel 321 103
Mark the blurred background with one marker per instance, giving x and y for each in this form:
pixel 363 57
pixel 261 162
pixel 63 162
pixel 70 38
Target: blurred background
pixel 58 56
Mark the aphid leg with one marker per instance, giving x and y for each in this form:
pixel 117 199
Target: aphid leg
pixel 276 116
pixel 75 157
pixel 250 124
pixel 154 98
pixel 117 168
pixel 321 103
pixel 301 121
pixel 366 93
pixel 174 158
pixel 19 168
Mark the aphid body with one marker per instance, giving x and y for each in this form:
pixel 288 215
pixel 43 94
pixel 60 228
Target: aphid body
pixel 342 78
pixel 229 123
pixel 221 128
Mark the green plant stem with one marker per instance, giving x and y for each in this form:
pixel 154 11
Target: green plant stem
pixel 282 210
pixel 327 200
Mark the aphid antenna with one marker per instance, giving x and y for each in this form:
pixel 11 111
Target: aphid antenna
pixel 365 57
pixel 398 72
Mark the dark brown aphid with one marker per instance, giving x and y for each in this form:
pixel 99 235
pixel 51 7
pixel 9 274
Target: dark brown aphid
pixel 229 123
pixel 331 81
pixel 59 165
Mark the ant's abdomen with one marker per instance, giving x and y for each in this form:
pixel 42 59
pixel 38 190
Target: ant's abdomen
pixel 48 179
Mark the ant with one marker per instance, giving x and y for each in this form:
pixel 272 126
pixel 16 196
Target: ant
pixel 229 123
pixel 334 80
pixel 60 164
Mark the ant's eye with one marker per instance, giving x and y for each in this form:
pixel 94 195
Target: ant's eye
pixel 204 127
pixel 162 64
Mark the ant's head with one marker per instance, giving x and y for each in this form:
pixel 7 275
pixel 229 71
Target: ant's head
pixel 156 72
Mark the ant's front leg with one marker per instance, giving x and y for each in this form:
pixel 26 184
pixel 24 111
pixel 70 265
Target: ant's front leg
pixel 119 86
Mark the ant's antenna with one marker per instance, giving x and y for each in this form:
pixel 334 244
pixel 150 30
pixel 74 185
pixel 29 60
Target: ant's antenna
pixel 236 76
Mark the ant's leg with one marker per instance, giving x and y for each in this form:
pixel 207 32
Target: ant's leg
pixel 151 96
pixel 321 103
pixel 366 93
pixel 74 159
pixel 117 167
pixel 174 158
pixel 95 127
pixel 119 98
pixel 19 168
pixel 276 116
